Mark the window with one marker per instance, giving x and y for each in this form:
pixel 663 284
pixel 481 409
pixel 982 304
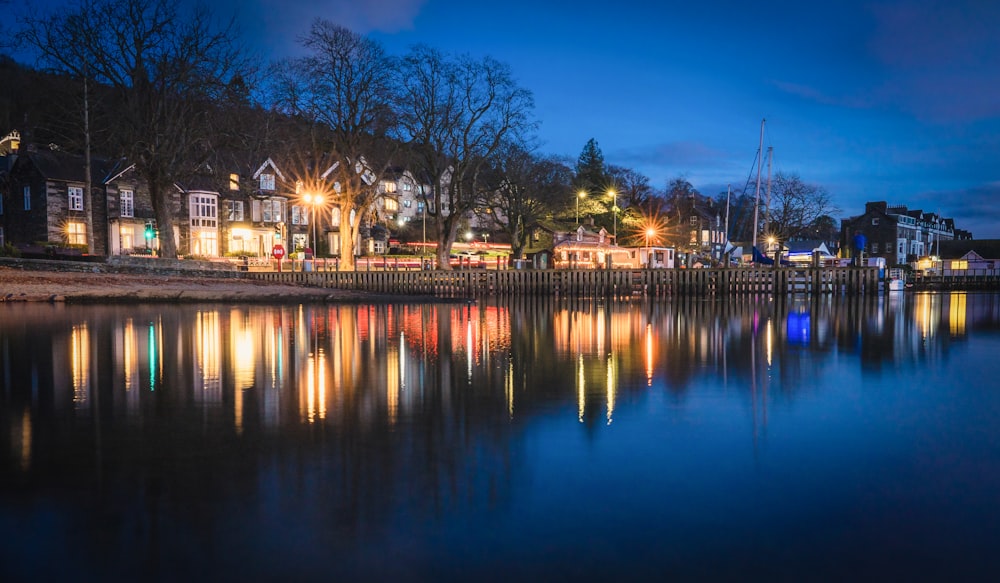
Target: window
pixel 267 182
pixel 27 198
pixel 271 210
pixel 407 186
pixel 874 248
pixel 234 210
pixel 204 210
pixel 420 206
pixel 407 203
pixel 126 198
pixel 300 215
pixel 234 182
pixel 875 222
pixel 391 204
pixel 389 187
pixel 75 198
pixel 76 233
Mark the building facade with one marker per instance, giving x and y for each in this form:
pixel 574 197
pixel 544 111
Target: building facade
pixel 898 234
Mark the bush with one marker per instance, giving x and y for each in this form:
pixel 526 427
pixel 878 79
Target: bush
pixel 9 250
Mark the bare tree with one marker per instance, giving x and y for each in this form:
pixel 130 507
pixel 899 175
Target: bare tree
pixel 796 207
pixel 164 71
pixel 527 188
pixel 344 84
pixel 456 114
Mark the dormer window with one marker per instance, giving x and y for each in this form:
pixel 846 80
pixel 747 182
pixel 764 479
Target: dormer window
pixel 267 182
pixel 234 182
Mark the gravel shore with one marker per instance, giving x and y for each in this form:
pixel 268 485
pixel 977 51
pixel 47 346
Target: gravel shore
pixel 18 285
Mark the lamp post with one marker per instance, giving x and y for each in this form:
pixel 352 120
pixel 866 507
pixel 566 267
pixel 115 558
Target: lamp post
pixel 649 252
pixel 314 200
pixel 579 195
pixel 614 209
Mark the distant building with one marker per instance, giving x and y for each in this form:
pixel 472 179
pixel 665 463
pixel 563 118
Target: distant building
pixel 898 234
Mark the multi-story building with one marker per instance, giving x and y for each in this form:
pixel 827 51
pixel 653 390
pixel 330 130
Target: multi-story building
pixel 898 234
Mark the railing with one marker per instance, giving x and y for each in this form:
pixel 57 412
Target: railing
pixel 593 283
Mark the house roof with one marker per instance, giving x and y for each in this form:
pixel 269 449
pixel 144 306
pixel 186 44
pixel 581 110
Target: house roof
pixel 55 164
pixel 807 246
pixel 986 248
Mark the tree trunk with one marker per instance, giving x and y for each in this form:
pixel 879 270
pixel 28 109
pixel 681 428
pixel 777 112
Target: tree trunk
pixel 164 220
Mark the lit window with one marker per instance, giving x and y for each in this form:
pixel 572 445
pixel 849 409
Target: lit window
pixel 234 182
pixel 300 215
pixel 204 210
pixel 76 233
pixel 127 203
pixel 389 187
pixel 75 198
pixel 391 204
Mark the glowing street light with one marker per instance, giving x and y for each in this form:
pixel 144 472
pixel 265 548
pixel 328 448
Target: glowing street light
pixel 579 195
pixel 614 209
pixel 650 232
pixel 314 200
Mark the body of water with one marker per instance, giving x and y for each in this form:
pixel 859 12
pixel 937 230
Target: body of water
pixel 794 439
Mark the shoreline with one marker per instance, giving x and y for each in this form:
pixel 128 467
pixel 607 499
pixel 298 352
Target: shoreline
pixel 77 287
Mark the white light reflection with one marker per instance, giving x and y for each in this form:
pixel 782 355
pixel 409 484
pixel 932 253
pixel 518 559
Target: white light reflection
pixel 581 395
pixel 468 347
pixel 611 387
pixel 769 340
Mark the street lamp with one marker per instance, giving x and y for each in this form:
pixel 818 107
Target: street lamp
pixel 579 195
pixel 314 200
pixel 650 231
pixel 614 209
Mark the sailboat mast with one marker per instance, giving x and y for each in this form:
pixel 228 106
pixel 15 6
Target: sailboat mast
pixel 767 206
pixel 756 203
pixel 729 195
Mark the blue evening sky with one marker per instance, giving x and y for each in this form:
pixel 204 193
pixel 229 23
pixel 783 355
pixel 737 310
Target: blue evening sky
pixel 895 100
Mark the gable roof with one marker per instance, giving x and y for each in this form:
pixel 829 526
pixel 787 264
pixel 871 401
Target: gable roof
pixel 985 248
pixel 55 164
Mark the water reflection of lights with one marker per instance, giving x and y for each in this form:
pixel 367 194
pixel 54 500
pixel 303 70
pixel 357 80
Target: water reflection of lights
pixel 769 340
pixel 469 348
pixel 956 313
pixel 649 355
pixel 316 386
pixel 922 313
pixel 611 387
pixel 80 363
pixel 130 356
pixel 208 358
pixel 509 389
pixel 26 438
pixel 581 389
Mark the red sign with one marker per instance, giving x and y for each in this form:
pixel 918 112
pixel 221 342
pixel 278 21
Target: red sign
pixel 278 251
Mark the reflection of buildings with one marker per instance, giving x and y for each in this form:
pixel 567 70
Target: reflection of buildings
pixel 367 367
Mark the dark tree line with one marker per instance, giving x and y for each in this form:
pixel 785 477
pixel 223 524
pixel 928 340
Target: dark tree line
pixel 173 92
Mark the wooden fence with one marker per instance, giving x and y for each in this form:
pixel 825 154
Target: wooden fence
pixel 593 282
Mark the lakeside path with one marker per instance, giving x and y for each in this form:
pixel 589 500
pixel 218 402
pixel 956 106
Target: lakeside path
pixel 19 285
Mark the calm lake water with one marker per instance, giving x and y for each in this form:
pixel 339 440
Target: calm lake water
pixel 797 439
